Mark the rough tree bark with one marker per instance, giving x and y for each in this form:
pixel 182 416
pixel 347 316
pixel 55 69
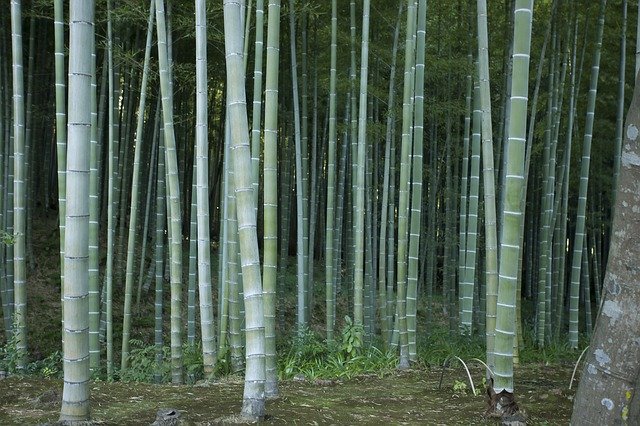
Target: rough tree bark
pixel 611 372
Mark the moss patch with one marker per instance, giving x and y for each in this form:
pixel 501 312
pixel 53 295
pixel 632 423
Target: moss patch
pixel 408 397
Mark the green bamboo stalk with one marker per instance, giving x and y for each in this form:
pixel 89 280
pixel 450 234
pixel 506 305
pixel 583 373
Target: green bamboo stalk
pixel 61 122
pixel 4 291
pixel 110 196
pixel 28 168
pixel 256 113
pixel 584 182
pixel 94 230
pixel 469 272
pixel 358 279
pixel 75 393
pixel 159 255
pixel 488 176
pixel 403 203
pixel 383 297
pixel 271 196
pixel 174 197
pixel 301 264
pixel 304 160
pixel 513 191
pixel 416 179
pixel 207 326
pixel 19 190
pixel 151 178
pixel 331 179
pixel 620 104
pixel 192 269
pixel 586 287
pixel 562 212
pixel 546 234
pixel 133 216
pixel 464 178
pixel 253 399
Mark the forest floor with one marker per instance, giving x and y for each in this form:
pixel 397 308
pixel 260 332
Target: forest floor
pixel 401 398
pixel 426 395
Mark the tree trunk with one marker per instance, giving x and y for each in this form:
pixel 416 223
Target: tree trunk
pixel 611 371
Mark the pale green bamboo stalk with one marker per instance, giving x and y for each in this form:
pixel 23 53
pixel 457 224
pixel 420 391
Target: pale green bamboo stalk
pixel 111 167
pixel 256 113
pixel 352 138
pixel 75 393
pixel 271 196
pixel 286 186
pixel 207 325
pixel 133 216
pixel 331 179
pixel 617 148
pixel 369 287
pixel 566 163
pixel 512 208
pixel 224 299
pixel 448 263
pixel 416 180
pixel 383 297
pixel 488 177
pixel 467 283
pixel 161 207
pixel 4 294
pixel 584 183
pixel 586 284
pixel 340 213
pixel 312 182
pixel 546 235
pixel 192 268
pixel 61 122
pixel 9 274
pixel 174 198
pixel 7 191
pixel 304 158
pixel 245 22
pixel 302 282
pixel 403 203
pixel 253 398
pixel 28 151
pixel 358 279
pixel 147 216
pixel 94 230
pixel 19 190
pixel 464 184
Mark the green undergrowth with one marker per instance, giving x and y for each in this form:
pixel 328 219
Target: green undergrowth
pixel 311 357
pixel 303 355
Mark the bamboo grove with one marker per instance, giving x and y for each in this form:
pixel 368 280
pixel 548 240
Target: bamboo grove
pixel 385 161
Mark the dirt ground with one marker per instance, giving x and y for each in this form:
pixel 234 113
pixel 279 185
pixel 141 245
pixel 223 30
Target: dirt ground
pixel 403 398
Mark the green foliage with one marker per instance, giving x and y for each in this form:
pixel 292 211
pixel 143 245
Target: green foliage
pixel 49 367
pixel 223 362
pixel 459 387
pixel 9 355
pixel 193 364
pixel 143 365
pixel 311 357
pixel 6 238
pixel 351 338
